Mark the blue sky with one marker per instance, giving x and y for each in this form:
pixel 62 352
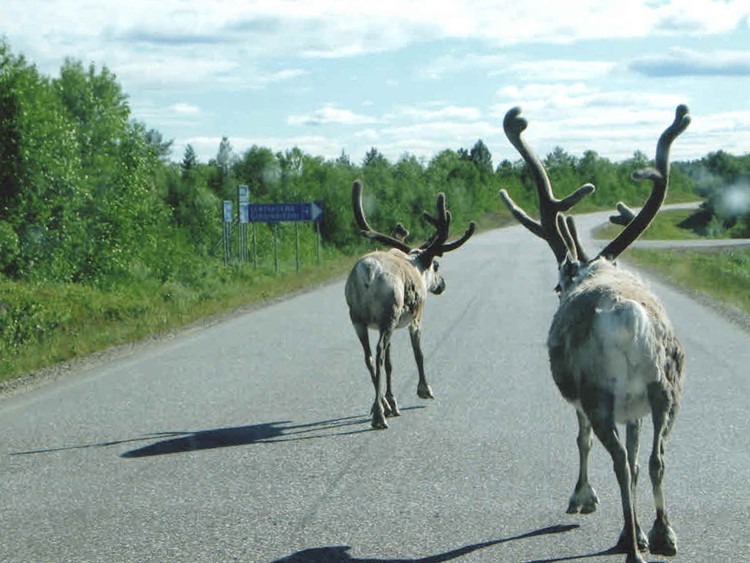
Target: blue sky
pixel 410 76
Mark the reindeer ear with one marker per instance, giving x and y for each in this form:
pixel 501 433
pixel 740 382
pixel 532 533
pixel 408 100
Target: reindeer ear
pixel 568 261
pixel 569 266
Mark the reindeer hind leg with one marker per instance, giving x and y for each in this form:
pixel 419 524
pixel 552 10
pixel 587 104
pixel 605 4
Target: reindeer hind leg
pixel 377 412
pixel 632 441
pixel 662 538
pixel 378 406
pixel 599 408
pixel 583 499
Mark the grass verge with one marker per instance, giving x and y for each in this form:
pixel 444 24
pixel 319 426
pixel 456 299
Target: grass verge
pixel 664 227
pixel 723 275
pixel 42 324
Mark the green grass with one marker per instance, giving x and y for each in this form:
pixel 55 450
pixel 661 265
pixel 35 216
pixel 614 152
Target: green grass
pixel 664 227
pixel 724 275
pixel 42 324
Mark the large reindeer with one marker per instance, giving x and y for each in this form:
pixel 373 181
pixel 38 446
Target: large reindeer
pixel 386 290
pixel 612 350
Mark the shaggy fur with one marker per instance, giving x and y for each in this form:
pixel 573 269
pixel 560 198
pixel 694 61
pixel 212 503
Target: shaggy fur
pixel 615 357
pixel 385 291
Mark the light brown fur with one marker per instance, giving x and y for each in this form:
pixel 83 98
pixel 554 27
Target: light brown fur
pixel 386 290
pixel 613 353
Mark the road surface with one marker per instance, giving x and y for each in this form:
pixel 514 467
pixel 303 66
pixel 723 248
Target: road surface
pixel 250 440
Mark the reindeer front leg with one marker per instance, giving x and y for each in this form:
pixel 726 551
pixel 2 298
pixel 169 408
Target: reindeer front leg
pixel 423 388
pixel 391 407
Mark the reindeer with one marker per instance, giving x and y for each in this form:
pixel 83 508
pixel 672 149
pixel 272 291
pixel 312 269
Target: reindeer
pixel 613 352
pixel 386 290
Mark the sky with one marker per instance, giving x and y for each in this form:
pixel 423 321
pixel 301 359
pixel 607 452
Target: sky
pixel 410 76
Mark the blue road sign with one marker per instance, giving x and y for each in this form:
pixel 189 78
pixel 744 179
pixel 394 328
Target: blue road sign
pixel 244 213
pixel 243 194
pixel 285 212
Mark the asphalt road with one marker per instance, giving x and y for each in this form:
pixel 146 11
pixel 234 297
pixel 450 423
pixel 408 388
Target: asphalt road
pixel 250 440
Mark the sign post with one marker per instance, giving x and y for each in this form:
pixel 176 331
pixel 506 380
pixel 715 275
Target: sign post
pixel 275 213
pixel 243 199
pixel 227 208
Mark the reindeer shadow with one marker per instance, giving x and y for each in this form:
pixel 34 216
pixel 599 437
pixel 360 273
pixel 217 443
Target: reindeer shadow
pixel 266 433
pixel 340 553
pixel 263 433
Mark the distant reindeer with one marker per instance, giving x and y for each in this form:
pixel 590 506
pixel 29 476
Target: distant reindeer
pixel 612 350
pixel 386 290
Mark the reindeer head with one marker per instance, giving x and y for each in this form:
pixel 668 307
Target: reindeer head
pixel 560 232
pixel 422 257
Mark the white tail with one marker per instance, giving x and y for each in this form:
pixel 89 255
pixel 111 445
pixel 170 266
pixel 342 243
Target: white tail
pixel 613 353
pixel 386 290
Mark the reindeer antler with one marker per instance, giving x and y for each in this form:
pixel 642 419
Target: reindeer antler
pixel 660 178
pixel 436 245
pixel 369 232
pixel 626 215
pixel 549 206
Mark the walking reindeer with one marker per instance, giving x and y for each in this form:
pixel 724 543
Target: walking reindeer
pixel 612 350
pixel 386 290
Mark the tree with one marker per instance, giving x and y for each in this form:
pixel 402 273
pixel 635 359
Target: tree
pixel 162 148
pixel 259 169
pixel 42 188
pixel 482 158
pixel 374 157
pixel 225 157
pixel 343 160
pixel 97 103
pixel 189 160
pixel 558 159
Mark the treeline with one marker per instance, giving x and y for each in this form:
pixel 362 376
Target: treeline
pixel 91 195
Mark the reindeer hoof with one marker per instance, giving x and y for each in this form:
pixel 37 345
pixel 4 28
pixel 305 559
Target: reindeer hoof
pixel 624 543
pixel 391 407
pixel 586 507
pixel 583 500
pixel 378 413
pixel 424 391
pixel 662 539
pixel 379 424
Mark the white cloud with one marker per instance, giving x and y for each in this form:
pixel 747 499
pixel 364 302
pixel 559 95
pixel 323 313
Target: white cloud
pixel 278 52
pixel 207 146
pixel 434 111
pixel 559 70
pixel 330 114
pixel 452 64
pixel 688 62
pixel 185 109
pixel 268 29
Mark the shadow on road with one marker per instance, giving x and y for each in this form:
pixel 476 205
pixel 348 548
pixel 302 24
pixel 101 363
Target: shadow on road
pixel 264 433
pixel 611 551
pixel 340 554
pixel 270 432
